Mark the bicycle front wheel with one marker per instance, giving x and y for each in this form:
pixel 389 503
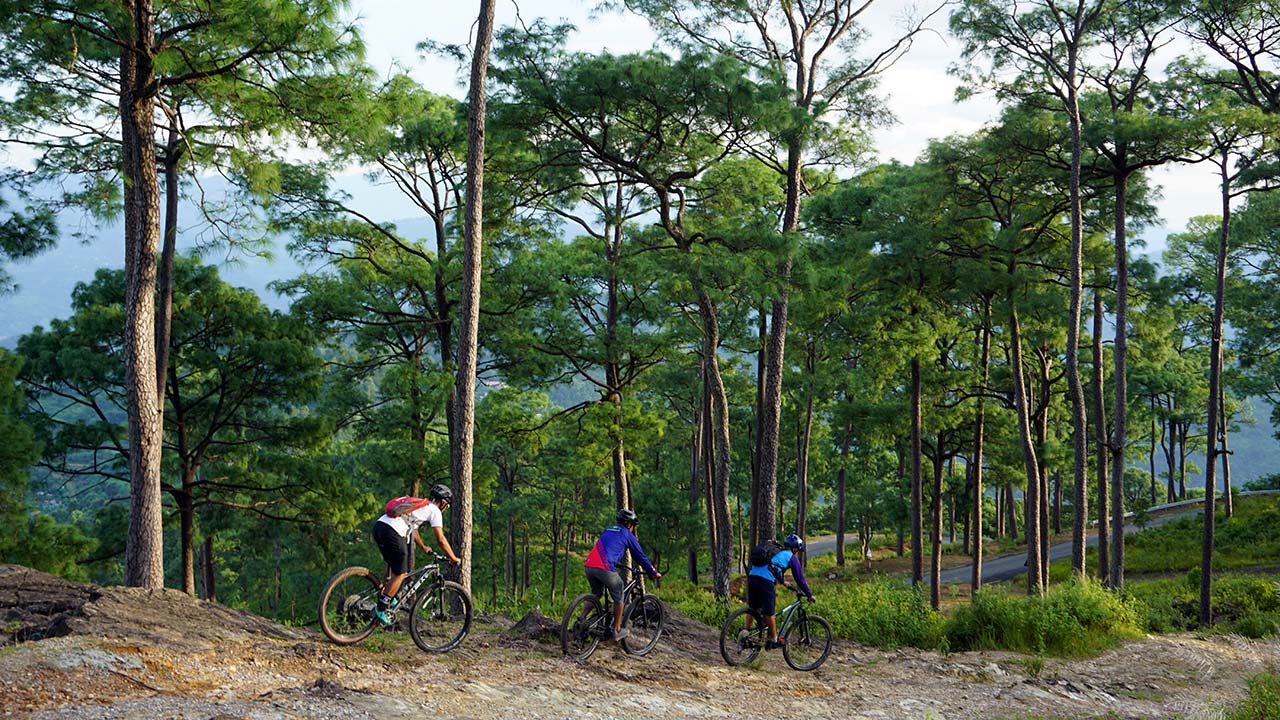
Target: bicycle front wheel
pixel 347 604
pixel 583 624
pixel 739 645
pixel 441 617
pixel 645 620
pixel 808 643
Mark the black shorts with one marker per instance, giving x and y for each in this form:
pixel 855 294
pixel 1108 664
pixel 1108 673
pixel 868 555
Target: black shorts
pixel 395 549
pixel 761 595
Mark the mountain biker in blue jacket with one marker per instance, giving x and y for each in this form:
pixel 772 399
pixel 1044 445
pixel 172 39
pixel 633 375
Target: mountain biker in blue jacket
pixel 761 593
pixel 602 562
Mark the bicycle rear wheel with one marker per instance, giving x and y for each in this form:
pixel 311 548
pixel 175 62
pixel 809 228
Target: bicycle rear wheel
pixel 583 626
pixel 738 645
pixel 441 617
pixel 645 619
pixel 808 643
pixel 347 604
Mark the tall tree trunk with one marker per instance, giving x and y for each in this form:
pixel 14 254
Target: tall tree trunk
pixel 144 544
pixel 210 570
pixel 1031 466
pixel 762 357
pixel 1184 429
pixel 1041 423
pixel 846 439
pixel 1120 414
pixel 979 438
pixel 1079 525
pixel 806 437
pixel 1227 500
pixel 1215 401
pixel 469 310
pixel 1152 455
pixel 1075 389
pixel 164 272
pixel 509 558
pixel 187 530
pixel 771 415
pixel 935 563
pixel 1010 511
pixel 709 468
pixel 695 486
pixel 722 552
pixel 917 477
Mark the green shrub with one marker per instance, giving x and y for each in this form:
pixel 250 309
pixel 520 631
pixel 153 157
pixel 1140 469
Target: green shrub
pixel 1263 701
pixel 881 612
pixel 1247 605
pixel 1077 619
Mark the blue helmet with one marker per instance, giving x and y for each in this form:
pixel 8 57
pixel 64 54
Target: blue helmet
pixel 794 541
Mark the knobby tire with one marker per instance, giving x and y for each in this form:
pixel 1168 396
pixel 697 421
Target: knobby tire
pixel 808 643
pixel 732 649
pixel 347 604
pixel 579 636
pixel 441 617
pixel 644 620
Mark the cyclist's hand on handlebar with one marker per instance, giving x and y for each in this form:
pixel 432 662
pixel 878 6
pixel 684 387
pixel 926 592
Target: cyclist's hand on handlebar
pixel 657 575
pixel 812 598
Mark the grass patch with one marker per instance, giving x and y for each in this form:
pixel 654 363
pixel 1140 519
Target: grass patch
pixel 1262 702
pixel 1074 620
pixel 1243 604
pixel 1250 537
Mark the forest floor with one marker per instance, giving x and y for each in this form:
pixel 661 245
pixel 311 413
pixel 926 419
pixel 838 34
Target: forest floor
pixel 74 651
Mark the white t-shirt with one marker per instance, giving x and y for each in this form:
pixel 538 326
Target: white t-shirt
pixel 428 514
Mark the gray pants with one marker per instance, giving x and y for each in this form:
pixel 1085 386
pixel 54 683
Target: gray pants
pixel 599 579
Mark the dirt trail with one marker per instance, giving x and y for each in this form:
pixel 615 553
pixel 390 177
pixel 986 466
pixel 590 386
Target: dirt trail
pixel 79 651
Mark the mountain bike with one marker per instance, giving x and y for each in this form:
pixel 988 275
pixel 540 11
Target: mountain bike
pixel 439 610
pixel 806 638
pixel 589 619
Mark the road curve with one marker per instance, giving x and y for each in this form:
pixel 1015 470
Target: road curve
pixel 1007 567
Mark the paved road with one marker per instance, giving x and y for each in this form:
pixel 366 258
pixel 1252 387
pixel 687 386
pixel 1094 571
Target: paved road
pixel 1007 567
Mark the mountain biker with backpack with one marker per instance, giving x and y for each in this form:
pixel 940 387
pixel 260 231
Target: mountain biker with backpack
pixel 602 562
pixel 770 561
pixel 392 531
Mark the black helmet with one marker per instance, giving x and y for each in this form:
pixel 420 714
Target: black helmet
pixel 441 492
pixel 794 541
pixel 626 517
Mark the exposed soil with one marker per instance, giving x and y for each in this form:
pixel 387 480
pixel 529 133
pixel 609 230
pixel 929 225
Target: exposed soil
pixel 81 651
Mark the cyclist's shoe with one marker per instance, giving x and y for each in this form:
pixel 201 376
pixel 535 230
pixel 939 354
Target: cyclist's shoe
pixel 383 616
pixel 771 644
pixel 619 634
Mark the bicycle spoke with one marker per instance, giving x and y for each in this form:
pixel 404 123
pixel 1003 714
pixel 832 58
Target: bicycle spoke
pixel 441 617
pixel 644 621
pixel 347 604
pixel 584 622
pixel 808 643
pixel 738 644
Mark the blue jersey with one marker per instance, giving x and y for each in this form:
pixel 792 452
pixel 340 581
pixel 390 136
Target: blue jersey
pixel 613 542
pixel 779 564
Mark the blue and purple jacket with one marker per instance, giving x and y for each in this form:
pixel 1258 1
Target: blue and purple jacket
pixel 778 565
pixel 613 542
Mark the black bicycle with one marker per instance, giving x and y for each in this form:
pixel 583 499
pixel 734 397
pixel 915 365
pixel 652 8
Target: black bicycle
pixel 589 619
pixel 806 637
pixel 439 610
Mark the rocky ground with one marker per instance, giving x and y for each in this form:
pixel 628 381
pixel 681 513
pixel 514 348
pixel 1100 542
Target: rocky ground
pixel 80 651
